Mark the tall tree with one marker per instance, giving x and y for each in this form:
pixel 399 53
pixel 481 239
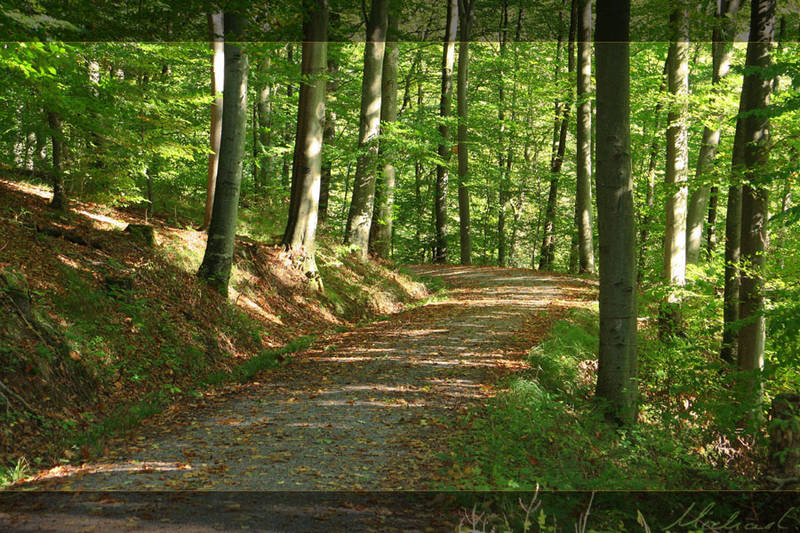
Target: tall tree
pixel 721 61
pixel 677 165
pixel 301 227
pixel 466 16
pixel 756 88
pixel 559 147
pixel 380 235
pixel 59 199
pixel 218 257
pixel 617 370
pixel 328 133
pixel 583 192
pixel 359 217
pixel 440 194
pixel 215 28
pixel 262 136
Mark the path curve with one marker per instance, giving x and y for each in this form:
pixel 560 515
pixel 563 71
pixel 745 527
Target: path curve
pixel 367 410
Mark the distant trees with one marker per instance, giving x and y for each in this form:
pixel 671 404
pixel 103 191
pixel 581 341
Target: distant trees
pixel 218 257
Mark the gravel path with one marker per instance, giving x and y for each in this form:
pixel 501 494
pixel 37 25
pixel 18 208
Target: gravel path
pixel 333 436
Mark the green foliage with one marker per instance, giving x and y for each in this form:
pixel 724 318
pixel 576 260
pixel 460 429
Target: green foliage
pixel 546 430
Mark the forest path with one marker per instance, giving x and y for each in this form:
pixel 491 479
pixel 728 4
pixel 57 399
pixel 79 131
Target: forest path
pixel 368 410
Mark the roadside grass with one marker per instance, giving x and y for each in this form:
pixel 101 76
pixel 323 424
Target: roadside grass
pixel 546 431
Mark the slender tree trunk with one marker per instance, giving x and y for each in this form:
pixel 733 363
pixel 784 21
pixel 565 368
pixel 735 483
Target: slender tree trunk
pixel 755 97
pixel 698 203
pixel 503 195
pixel 262 106
pixel 59 200
pixel 711 232
pixel 442 173
pixel 677 169
pixel 466 16
pixel 655 144
pixel 359 218
pixel 215 27
pixel 380 235
pixel 583 193
pixel 218 257
pixel 288 131
pixel 548 240
pixel 328 133
pixel 617 370
pixel 300 234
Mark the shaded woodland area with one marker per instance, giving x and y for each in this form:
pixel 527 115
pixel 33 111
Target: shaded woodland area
pixel 272 165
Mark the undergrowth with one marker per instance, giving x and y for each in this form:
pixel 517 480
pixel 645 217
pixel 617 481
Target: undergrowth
pixel 545 429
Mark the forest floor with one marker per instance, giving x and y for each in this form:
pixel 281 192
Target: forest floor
pixel 336 436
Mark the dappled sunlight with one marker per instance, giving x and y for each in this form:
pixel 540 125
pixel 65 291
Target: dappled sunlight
pixel 381 394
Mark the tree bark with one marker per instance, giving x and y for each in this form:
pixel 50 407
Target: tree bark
pixel 562 121
pixel 359 218
pixel 466 16
pixel 617 369
pixel 380 235
pixel 677 169
pixel 756 88
pixel 583 193
pixel 306 170
pixel 264 176
pixel 442 174
pixel 215 27
pixel 328 133
pixel 726 10
pixel 218 257
pixel 59 200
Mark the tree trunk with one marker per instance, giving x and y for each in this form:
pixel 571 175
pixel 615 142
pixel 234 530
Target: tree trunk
pixel 215 27
pixel 306 170
pixel 380 235
pixel 359 217
pixel 59 200
pixel 440 196
pixel 218 257
pixel 711 232
pixel 726 10
pixel 503 194
pixel 466 16
pixel 562 121
pixel 265 160
pixel 617 370
pixel 755 95
pixel 677 169
pixel 328 133
pixel 583 192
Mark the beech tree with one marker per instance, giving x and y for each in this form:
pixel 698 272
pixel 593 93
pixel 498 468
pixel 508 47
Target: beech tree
pixel 677 166
pixel 218 257
pixel 583 191
pixel 755 96
pixel 440 194
pixel 301 227
pixel 617 369
pixel 215 27
pixel 380 235
pixel 359 218
pixel 559 147
pixel 721 62
pixel 466 17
